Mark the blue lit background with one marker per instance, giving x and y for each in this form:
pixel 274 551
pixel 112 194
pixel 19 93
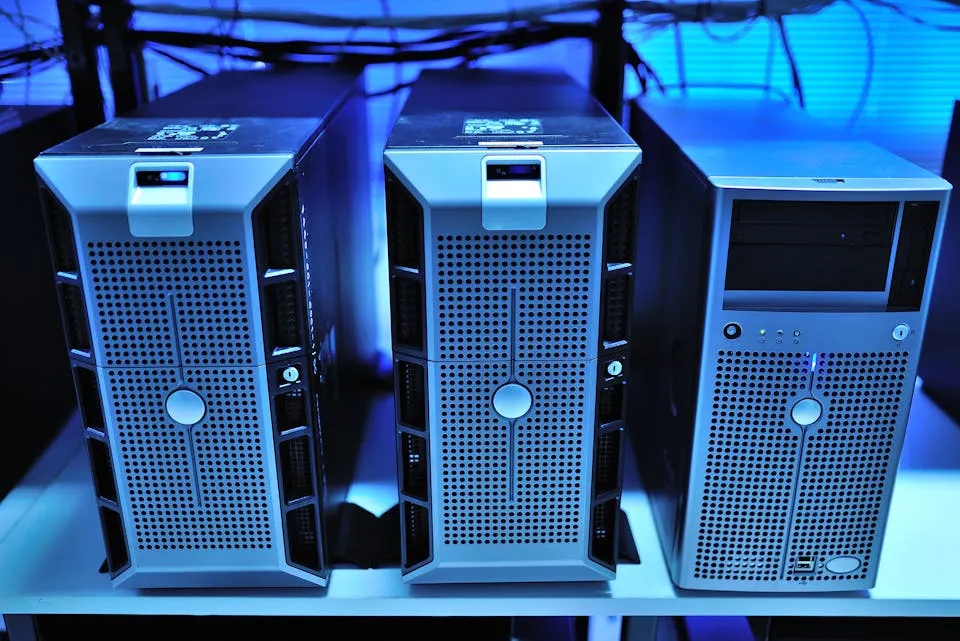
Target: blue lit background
pixel 915 79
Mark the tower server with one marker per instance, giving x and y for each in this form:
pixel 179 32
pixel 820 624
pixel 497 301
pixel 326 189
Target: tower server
pixel 511 204
pixel 787 278
pixel 938 365
pixel 195 265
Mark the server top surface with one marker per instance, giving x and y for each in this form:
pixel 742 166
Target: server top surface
pixel 464 107
pixel 205 136
pixel 299 92
pixel 767 139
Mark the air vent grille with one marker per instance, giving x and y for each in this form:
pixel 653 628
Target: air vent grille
pixel 606 472
pixel 407 313
pixel 75 318
pixel 296 466
pixel 848 460
pixel 277 222
pixel 541 280
pixel 303 537
pixel 619 217
pixel 412 395
pixel 62 245
pixel 616 302
pixel 197 488
pixel 416 533
pixel 751 461
pixel 519 484
pixel 414 472
pixel 145 289
pixel 603 532
pixel 404 225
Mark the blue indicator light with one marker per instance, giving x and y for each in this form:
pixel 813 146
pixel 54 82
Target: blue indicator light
pixel 813 362
pixel 173 176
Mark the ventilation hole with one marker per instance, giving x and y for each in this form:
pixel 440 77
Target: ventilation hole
pixel 610 402
pixel 296 468
pixel 541 281
pixel 619 216
pixel 302 541
pixel 161 303
pixel 291 408
pixel 88 395
pixel 603 530
pixel 117 556
pixel 202 489
pixel 277 229
pixel 283 314
pixel 750 465
pixel 404 225
pixel 102 469
pixel 407 313
pixel 75 318
pixel 414 453
pixel 412 395
pixel 62 247
pixel 615 309
pixel 607 464
pixel 519 485
pixel 848 459
pixel 416 540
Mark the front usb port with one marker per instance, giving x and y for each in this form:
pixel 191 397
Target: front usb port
pixel 804 564
pixel 283 318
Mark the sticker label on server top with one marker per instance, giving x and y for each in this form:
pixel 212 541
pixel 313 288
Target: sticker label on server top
pixel 502 126
pixel 191 133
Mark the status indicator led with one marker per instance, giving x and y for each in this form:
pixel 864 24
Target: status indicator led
pixel 813 361
pixel 763 332
pixel 173 176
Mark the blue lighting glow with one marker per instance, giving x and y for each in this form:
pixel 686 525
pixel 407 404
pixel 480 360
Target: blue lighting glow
pixel 173 176
pixel 813 361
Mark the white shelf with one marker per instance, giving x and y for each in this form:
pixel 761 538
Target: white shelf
pixel 50 551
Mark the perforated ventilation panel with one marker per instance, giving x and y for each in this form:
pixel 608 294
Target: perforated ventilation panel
pixel 847 460
pixel 751 459
pixel 517 484
pixel 540 282
pixel 143 290
pixel 198 488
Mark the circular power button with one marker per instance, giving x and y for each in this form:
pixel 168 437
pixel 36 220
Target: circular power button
pixel 901 331
pixel 732 331
pixel 185 407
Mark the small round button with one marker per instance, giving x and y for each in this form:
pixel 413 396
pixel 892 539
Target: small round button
pixel 185 407
pixel 512 400
pixel 807 411
pixel 901 331
pixel 732 331
pixel 291 374
pixel 614 368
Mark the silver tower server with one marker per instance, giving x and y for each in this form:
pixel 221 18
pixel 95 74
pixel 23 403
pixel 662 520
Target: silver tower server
pixel 787 274
pixel 195 264
pixel 511 204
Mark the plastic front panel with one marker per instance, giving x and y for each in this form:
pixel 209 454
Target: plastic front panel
pixel 196 482
pixel 512 341
pixel 801 414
